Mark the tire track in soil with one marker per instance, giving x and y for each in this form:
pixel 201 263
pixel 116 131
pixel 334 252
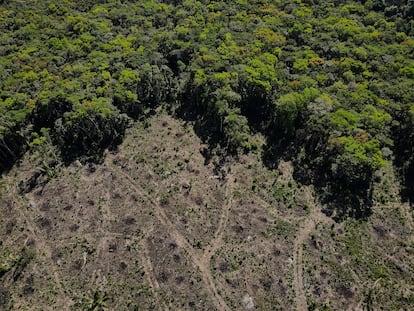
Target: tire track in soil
pixel 149 272
pixel 224 217
pixel 197 258
pixel 148 268
pixel 300 296
pixel 315 217
pixel 107 217
pixel 41 244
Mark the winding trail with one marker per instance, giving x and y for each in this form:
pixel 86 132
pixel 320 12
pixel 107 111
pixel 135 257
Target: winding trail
pixel 198 258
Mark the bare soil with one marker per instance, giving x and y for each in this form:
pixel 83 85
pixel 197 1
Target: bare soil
pixel 156 227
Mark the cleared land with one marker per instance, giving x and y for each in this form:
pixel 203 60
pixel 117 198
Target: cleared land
pixel 155 227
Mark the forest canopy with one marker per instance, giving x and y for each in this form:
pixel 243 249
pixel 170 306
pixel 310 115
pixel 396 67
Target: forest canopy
pixel 330 84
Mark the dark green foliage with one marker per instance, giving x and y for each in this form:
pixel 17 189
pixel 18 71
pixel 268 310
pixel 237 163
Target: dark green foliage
pixel 13 129
pixel 404 146
pixel 395 8
pixel 48 110
pixel 327 83
pixel 12 145
pixel 88 130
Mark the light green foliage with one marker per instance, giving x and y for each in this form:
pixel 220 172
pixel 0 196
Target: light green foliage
pixel 262 72
pixel 101 105
pixel 374 119
pixel 301 64
pixel 236 65
pixel 408 71
pixel 236 131
pixel 345 121
pixel 291 105
pixel 129 77
pixel 364 153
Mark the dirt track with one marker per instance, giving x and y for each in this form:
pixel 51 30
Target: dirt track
pixel 200 259
pixel 315 217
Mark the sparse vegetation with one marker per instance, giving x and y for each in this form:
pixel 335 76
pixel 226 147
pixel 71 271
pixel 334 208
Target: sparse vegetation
pixel 312 77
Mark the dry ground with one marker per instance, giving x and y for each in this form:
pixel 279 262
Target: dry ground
pixel 154 227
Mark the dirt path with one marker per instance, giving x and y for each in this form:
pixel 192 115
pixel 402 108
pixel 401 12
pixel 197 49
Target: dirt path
pixel 147 265
pixel 149 272
pixel 224 217
pixel 315 217
pixel 63 300
pixel 197 257
pixel 300 296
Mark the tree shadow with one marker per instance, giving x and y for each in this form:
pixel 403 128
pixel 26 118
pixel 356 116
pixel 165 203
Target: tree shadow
pixel 206 124
pixel 12 148
pixel 407 191
pixel 339 200
pixel 342 204
pixel 87 139
pixel 403 135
